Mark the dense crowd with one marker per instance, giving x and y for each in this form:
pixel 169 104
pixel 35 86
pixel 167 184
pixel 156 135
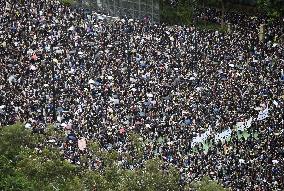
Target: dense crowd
pixel 168 84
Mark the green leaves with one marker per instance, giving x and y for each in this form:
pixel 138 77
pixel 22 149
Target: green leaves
pixel 68 2
pixel 272 8
pixel 206 184
pixel 181 14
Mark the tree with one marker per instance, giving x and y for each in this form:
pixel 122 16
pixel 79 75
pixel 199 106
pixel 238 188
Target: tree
pixel 185 10
pixel 272 8
pixel 206 184
pixel 13 139
pixel 222 11
pixel 68 2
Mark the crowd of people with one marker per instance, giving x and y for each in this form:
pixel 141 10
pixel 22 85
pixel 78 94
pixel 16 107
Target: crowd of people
pixel 106 81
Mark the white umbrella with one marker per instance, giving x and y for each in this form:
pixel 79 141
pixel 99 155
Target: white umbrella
pixel 28 126
pixel 91 81
pixel 33 67
pixel 51 141
pixel 63 125
pixel 150 95
pixel 71 28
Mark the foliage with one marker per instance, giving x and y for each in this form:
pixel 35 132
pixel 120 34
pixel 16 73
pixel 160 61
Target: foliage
pixel 168 14
pixel 180 14
pixel 206 184
pixel 183 13
pixel 211 26
pixel 22 167
pixel 272 8
pixel 68 2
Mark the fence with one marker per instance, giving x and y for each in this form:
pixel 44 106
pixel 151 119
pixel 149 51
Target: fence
pixel 137 9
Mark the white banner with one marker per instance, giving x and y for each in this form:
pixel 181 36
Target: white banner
pixel 262 114
pixel 224 135
pixel 241 126
pixel 201 138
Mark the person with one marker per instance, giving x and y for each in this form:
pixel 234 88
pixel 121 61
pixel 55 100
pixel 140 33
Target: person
pixel 167 84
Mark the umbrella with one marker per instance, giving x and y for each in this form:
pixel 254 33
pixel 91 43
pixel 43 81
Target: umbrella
pixel 33 67
pixel 72 137
pixel 34 57
pixel 55 60
pixel 91 81
pixel 150 95
pixel 122 130
pixel 188 121
pixel 63 125
pixel 11 79
pixel 68 127
pixel 71 28
pixel 28 126
pixel 51 141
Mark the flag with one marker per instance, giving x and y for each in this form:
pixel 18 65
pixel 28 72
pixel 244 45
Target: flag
pixel 262 114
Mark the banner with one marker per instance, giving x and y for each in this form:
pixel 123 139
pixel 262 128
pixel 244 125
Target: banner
pixel 262 114
pixel 241 126
pixel 224 135
pixel 82 144
pixel 201 138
